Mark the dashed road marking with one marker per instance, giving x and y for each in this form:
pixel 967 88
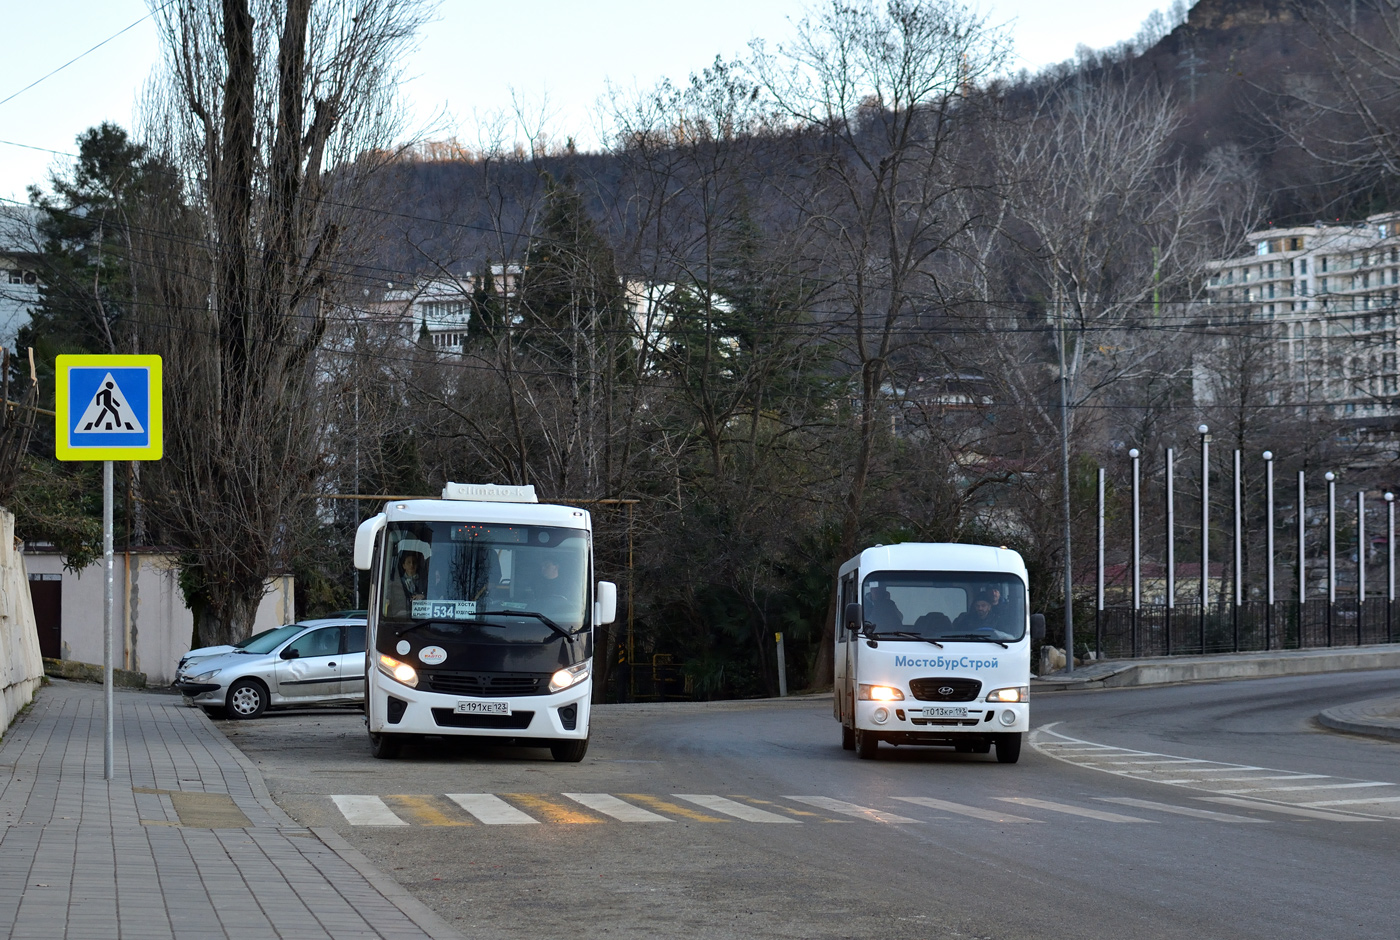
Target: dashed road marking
pixel 1073 810
pixel 851 809
pixel 1180 810
pixel 1287 810
pixel 976 812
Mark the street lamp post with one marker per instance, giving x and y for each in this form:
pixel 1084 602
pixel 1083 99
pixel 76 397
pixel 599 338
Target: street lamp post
pixel 1098 608
pixel 1239 559
pixel 1171 551
pixel 1205 530
pixel 1269 539
pixel 1360 561
pixel 1331 479
pixel 1390 562
pixel 1137 552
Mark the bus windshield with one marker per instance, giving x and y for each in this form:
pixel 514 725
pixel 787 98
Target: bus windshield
pixel 946 604
pixel 455 574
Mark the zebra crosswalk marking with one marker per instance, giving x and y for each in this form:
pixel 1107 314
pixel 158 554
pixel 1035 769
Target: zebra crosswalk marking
pixel 1286 809
pixel 1073 810
pixel 1313 786
pixel 990 815
pixel 1181 810
pixel 553 812
pixel 425 811
pixel 851 809
pixel 491 810
pixel 366 811
pixel 805 813
pixel 666 806
pixel 719 804
pixel 621 810
pixel 1378 799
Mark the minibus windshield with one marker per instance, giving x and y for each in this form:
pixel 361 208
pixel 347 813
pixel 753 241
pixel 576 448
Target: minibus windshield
pixel 946 605
pixel 452 577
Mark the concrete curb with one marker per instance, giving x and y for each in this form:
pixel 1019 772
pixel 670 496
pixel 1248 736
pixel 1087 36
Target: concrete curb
pixel 1117 674
pixel 396 894
pixel 1377 718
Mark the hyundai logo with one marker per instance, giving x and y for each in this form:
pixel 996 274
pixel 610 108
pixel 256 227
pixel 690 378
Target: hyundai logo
pixel 946 690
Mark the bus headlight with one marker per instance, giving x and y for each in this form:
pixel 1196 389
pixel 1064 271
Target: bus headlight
pixel 1017 693
pixel 399 672
pixel 570 675
pixel 878 693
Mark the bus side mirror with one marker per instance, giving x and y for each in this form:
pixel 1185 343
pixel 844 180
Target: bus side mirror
pixel 364 540
pixel 855 617
pixel 1037 626
pixel 605 603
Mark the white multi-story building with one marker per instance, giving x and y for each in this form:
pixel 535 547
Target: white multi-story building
pixel 1328 295
pixel 19 284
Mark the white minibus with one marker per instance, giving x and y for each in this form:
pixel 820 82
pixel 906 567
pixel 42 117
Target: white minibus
pixel 933 647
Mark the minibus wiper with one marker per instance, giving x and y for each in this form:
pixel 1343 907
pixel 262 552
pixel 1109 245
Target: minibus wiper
pixel 528 613
pixel 907 635
pixel 413 626
pixel 978 638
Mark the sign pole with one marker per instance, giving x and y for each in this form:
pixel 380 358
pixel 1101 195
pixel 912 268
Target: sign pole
pixel 108 644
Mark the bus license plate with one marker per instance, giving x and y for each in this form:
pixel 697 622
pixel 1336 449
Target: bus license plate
pixel 483 708
pixel 945 712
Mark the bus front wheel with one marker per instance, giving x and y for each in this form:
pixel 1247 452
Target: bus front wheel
pixel 848 738
pixel 1009 748
pixel 569 752
pixel 866 744
pixel 385 746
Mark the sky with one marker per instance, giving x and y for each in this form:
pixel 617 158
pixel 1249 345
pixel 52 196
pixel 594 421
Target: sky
pixel 554 57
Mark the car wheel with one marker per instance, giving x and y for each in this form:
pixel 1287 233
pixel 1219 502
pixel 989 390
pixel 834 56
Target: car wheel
pixel 247 698
pixel 385 746
pixel 848 738
pixel 569 752
pixel 866 744
pixel 1009 748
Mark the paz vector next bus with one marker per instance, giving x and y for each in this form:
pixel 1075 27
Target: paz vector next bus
pixel 482 606
pixel 933 647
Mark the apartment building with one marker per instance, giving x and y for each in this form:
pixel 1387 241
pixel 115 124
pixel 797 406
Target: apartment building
pixel 1328 296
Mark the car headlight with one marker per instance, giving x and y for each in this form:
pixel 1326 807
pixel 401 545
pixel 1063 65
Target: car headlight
pixel 205 676
pixel 1016 693
pixel 878 693
pixel 570 675
pixel 399 672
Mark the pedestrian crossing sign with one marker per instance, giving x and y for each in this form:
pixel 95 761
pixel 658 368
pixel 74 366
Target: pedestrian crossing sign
pixel 108 408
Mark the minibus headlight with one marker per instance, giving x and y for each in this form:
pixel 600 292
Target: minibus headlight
pixel 399 672
pixel 1016 693
pixel 570 675
pixel 878 693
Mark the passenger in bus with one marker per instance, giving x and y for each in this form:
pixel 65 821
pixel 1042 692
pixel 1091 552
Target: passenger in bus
pixel 881 610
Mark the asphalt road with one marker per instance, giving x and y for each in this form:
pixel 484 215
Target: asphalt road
pixel 1209 810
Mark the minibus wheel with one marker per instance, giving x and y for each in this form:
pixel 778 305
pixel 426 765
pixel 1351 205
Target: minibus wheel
pixel 866 744
pixel 848 738
pixel 1009 747
pixel 385 746
pixel 569 752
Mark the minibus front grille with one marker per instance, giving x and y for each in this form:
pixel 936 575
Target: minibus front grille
pixel 485 683
pixel 945 690
pixel 517 721
pixel 948 722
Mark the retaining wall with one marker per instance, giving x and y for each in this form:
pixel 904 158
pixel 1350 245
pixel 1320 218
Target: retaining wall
pixel 21 667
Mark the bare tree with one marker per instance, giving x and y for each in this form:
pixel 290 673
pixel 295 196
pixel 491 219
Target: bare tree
pixel 278 111
pixel 880 94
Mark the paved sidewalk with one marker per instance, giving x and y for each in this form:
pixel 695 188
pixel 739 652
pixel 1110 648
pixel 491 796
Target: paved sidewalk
pixel 184 841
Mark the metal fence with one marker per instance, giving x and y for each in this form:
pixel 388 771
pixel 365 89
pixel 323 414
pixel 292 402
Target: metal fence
pixel 1122 632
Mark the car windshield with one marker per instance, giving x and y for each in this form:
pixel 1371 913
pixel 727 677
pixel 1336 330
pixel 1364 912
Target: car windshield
pixel 269 640
pixel 453 577
pixel 944 604
pixel 243 644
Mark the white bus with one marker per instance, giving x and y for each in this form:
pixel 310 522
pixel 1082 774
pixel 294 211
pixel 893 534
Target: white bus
pixel 933 647
pixel 482 606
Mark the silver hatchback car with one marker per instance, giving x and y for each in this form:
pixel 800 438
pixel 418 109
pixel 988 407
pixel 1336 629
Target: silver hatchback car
pixel 319 662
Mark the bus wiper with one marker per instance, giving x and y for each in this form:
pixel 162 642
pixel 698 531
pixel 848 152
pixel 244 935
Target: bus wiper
pixel 528 613
pixel 413 626
pixel 978 638
pixel 907 635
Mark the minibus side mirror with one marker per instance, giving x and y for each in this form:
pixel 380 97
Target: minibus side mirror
pixel 1037 626
pixel 855 617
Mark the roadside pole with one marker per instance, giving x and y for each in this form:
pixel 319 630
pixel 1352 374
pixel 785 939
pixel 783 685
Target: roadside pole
pixel 108 408
pixel 782 667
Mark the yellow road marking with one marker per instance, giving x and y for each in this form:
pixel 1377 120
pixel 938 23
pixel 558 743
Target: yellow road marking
pixel 786 809
pixel 550 810
pixel 676 809
pixel 425 810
